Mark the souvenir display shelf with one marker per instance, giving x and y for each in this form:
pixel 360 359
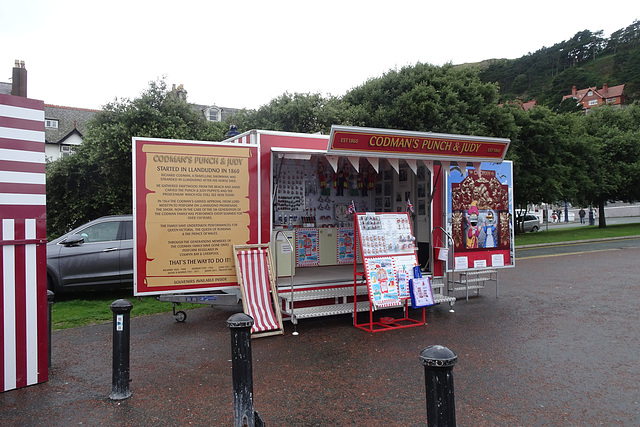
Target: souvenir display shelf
pixel 388 252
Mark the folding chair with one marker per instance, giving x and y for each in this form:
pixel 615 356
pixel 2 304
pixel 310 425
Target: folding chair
pixel 254 269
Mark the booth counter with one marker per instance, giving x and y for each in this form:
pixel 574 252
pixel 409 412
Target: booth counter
pixel 332 248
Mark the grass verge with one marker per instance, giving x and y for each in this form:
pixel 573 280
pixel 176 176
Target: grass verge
pixel 87 308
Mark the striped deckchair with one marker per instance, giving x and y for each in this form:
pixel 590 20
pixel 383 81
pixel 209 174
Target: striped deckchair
pixel 254 268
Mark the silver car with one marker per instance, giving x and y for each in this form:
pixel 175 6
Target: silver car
pixel 531 223
pixel 97 255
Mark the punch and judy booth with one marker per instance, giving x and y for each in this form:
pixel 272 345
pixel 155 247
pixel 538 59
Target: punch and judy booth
pixel 300 193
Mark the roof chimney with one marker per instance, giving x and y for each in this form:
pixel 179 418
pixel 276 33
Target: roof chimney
pixel 605 88
pixel 574 90
pixel 19 81
pixel 182 93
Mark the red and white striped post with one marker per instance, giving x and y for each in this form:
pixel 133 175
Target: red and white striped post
pixel 23 256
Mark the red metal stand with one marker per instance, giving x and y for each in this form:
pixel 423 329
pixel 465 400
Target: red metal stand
pixel 383 323
pixel 388 323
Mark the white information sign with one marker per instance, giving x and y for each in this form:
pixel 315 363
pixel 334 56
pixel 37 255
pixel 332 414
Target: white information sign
pixel 497 260
pixel 479 263
pixel 462 263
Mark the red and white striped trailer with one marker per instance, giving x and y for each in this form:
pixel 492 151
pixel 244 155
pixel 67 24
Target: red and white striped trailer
pixel 23 322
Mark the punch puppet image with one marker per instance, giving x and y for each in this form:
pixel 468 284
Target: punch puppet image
pixel 473 232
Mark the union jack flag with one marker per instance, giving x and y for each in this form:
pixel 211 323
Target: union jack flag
pixel 409 206
pixel 352 208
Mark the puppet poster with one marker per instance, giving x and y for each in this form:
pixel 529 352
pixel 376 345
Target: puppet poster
pixel 307 250
pixel 345 250
pixel 480 206
pixel 382 282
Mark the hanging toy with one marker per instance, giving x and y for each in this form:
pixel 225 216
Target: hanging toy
pixel 371 179
pixel 343 179
pixel 322 176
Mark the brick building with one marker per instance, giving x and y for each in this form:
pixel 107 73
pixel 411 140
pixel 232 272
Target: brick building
pixel 592 96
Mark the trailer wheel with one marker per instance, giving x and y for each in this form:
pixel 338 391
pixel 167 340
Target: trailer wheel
pixel 180 316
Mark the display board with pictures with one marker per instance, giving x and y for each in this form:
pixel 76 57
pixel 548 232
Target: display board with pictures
pixel 479 212
pixel 385 234
pixel 389 255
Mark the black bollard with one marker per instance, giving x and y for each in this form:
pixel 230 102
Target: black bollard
pixel 50 296
pixel 121 332
pixel 438 364
pixel 242 372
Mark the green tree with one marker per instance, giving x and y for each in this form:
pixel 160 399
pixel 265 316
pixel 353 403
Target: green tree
pixel 96 180
pixel 298 112
pixel 611 156
pixel 538 150
pixel 430 98
pixel 569 105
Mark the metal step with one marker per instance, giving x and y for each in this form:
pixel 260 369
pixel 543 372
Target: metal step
pixel 464 288
pixel 327 310
pixel 320 294
pixel 473 280
pixel 341 305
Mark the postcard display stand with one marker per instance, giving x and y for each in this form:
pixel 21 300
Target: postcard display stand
pixel 389 257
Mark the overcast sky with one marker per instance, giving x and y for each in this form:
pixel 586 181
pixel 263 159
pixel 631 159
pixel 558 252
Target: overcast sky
pixel 243 54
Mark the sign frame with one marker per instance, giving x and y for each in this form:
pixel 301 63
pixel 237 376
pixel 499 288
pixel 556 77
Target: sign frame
pixel 460 220
pixel 388 143
pixel 179 186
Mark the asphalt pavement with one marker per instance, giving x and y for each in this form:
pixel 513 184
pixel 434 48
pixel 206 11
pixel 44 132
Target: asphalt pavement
pixel 558 347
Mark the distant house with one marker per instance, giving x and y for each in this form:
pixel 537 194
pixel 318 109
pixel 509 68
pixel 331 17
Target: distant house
pixel 526 106
pixel 592 96
pixel 212 113
pixel 64 128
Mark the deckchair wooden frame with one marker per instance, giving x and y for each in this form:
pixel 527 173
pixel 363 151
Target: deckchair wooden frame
pixel 243 284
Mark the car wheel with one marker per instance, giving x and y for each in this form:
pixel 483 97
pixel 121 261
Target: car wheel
pixel 534 228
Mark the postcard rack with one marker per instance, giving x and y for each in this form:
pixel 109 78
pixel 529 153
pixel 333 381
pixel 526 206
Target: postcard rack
pixel 389 256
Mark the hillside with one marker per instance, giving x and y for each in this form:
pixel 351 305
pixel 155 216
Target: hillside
pixel 586 60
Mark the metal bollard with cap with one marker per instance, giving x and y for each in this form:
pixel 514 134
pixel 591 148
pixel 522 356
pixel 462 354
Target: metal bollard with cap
pixel 121 332
pixel 242 371
pixel 438 364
